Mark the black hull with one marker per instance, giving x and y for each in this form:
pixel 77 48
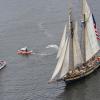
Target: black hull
pixel 81 77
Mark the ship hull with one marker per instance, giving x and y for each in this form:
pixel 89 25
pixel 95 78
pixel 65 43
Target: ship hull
pixel 81 76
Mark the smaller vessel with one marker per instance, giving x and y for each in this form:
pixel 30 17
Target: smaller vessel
pixel 2 64
pixel 24 51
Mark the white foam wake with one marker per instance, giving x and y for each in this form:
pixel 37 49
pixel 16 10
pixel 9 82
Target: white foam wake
pixel 41 54
pixel 49 50
pixel 52 46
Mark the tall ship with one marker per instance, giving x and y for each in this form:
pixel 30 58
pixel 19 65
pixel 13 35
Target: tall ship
pixel 77 55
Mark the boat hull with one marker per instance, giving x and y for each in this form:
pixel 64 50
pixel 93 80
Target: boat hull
pixel 2 64
pixel 81 76
pixel 24 52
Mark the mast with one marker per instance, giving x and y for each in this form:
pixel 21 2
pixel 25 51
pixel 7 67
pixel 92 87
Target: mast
pixel 83 33
pixel 71 27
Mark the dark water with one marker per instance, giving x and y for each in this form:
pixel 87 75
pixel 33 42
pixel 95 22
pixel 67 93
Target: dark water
pixel 37 24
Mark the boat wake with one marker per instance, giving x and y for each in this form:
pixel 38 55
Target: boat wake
pixel 52 46
pixel 49 50
pixel 41 54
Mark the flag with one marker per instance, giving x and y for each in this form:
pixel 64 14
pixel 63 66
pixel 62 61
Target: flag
pixel 95 28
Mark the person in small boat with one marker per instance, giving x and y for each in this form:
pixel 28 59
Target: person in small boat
pixel 24 49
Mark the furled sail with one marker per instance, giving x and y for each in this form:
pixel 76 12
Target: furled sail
pixel 62 42
pixel 91 43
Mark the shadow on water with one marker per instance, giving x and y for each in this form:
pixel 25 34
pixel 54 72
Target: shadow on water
pixel 78 90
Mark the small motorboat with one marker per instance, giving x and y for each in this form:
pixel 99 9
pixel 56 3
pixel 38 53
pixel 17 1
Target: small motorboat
pixel 24 51
pixel 2 64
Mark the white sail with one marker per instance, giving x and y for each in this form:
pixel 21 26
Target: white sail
pixel 92 45
pixel 73 56
pixel 86 10
pixel 60 61
pixel 76 48
pixel 67 63
pixel 62 42
pixel 86 15
pixel 64 45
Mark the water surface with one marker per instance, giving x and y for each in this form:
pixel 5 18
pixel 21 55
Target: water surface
pixel 38 24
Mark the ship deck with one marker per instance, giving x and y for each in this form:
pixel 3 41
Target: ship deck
pixel 80 73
